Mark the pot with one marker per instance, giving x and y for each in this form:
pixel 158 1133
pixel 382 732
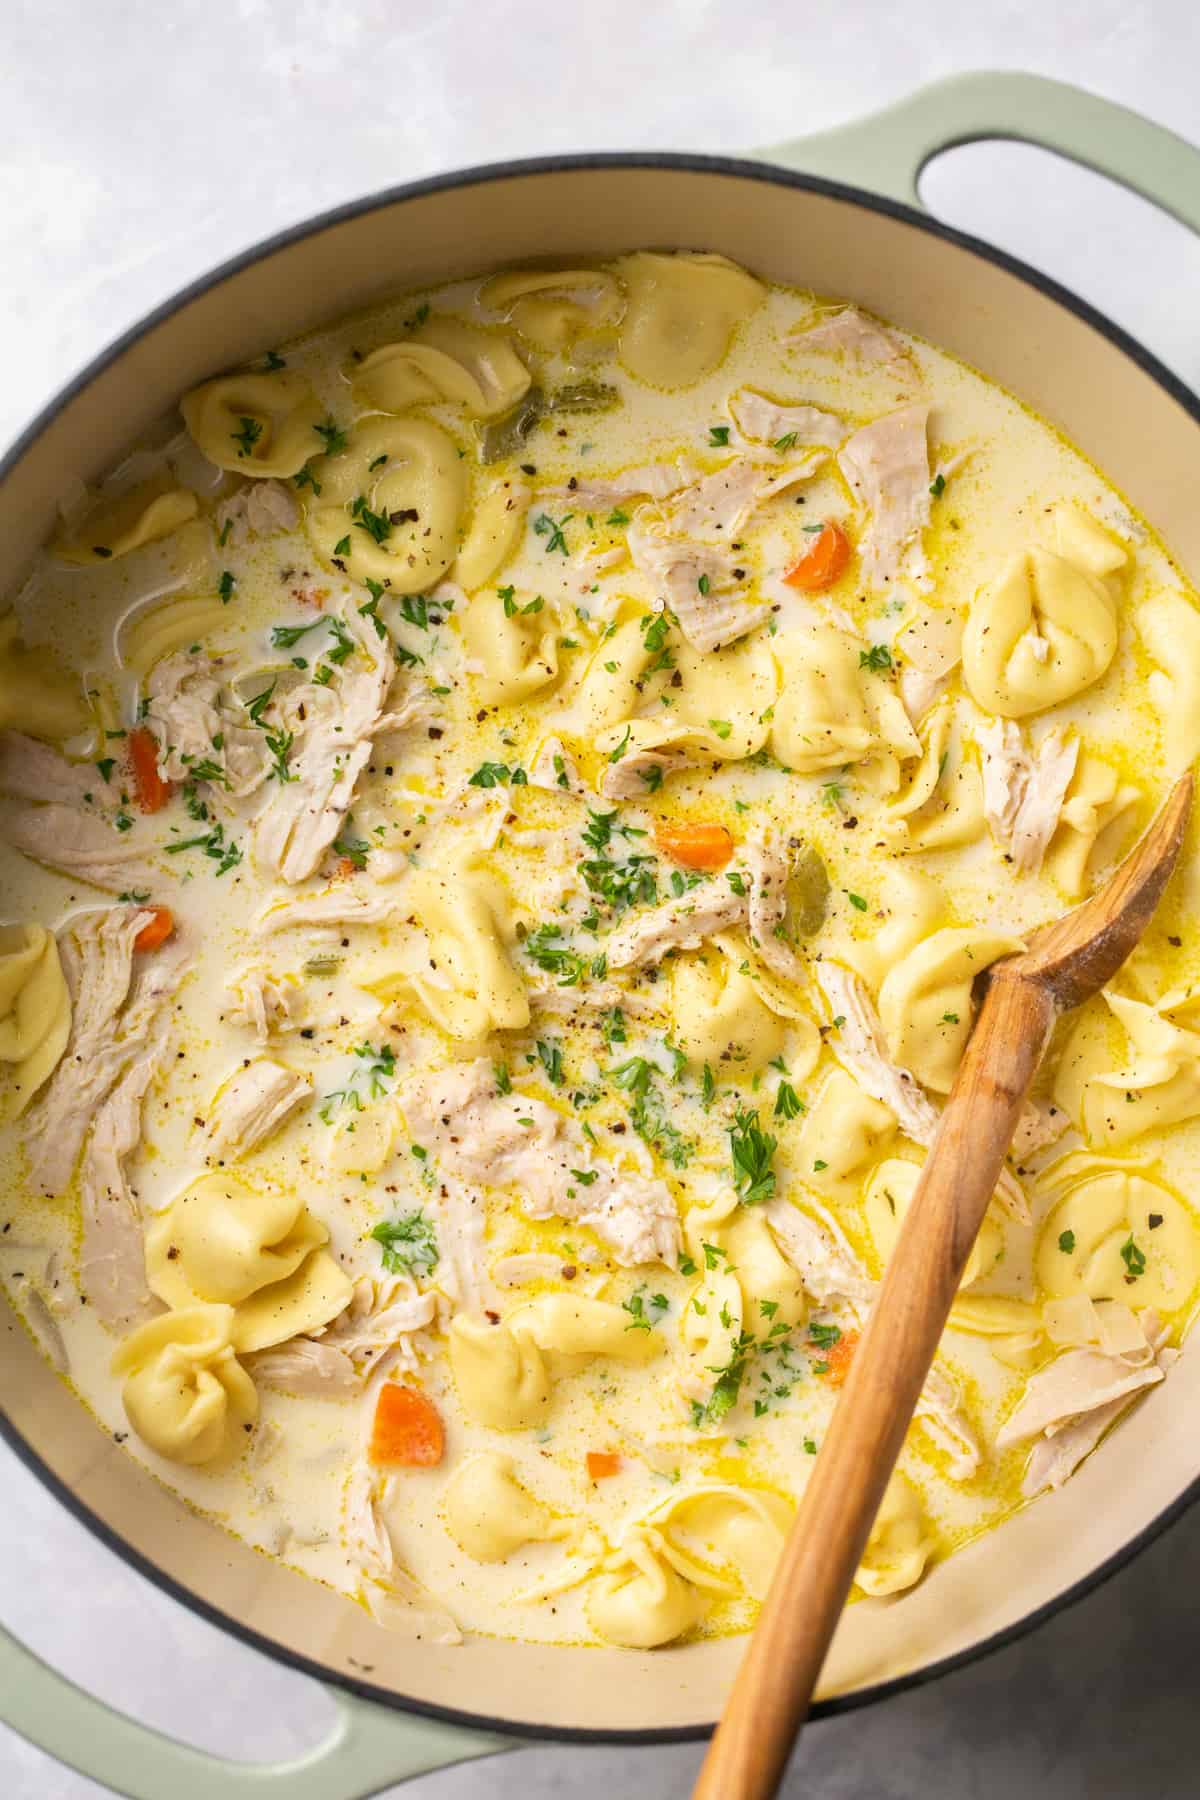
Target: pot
pixel 839 213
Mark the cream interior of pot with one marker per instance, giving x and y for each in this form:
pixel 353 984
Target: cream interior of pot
pixel 1117 414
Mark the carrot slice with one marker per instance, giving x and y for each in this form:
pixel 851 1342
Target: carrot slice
pixel 696 846
pixel 839 1356
pixel 823 561
pixel 148 785
pixel 407 1431
pixel 603 1463
pixel 157 929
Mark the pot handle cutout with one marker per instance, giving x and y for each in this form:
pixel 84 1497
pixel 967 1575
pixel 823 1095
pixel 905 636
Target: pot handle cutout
pixel 369 1749
pixel 886 152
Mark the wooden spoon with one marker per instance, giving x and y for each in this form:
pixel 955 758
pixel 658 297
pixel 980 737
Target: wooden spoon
pixel 1065 964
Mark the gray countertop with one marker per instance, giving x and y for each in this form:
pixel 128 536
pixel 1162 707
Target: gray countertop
pixel 142 143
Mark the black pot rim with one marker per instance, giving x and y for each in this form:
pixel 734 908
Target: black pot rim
pixel 773 175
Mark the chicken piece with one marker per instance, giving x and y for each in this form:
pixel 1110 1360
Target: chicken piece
pixel 196 729
pixel 1041 1123
pixel 266 1005
pixel 256 510
pixel 382 1319
pixel 554 767
pixel 681 924
pixel 825 1263
pixel 32 771
pixel 696 581
pixel 938 1412
pixel 110 1027
pixel 716 507
pixel 1081 1382
pixel 886 466
pixel 254 1104
pixel 1023 789
pixel 79 844
pixel 767 910
pixel 858 1042
pixel 654 481
pixel 860 338
pixel 766 421
pixel 340 905
pixel 328 732
pixel 633 777
pixel 485 1138
pixel 112 1263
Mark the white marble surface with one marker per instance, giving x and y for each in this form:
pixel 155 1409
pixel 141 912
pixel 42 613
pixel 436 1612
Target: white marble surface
pixel 141 143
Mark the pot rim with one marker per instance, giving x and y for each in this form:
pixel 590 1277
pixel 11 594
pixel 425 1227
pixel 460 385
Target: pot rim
pixel 692 162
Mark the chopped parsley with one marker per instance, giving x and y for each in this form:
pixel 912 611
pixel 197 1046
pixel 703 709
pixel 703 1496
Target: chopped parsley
pixel 552 531
pixel 788 1104
pixel 224 852
pixel 1133 1258
pixel 494 774
pixel 409 1244
pixel 856 901
pixel 937 486
pixel 750 1151
pixel 549 1054
pixel 648 1114
pixel 333 438
pixel 718 436
pixel 284 637
pixel 225 586
pixel 878 657
pixel 1066 1242
pixel 376 525
pixel 247 435
pixel 645 1310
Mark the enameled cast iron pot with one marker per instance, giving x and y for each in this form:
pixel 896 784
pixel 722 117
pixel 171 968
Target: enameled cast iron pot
pixel 840 214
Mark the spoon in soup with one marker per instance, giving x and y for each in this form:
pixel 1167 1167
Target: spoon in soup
pixel 1065 963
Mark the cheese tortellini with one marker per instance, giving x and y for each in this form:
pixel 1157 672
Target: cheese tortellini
pixel 445 360
pixel 1116 1235
pixel 1170 628
pixel 646 1597
pixel 843 1131
pixel 1046 627
pixel 513 651
pixel 143 514
pixel 465 980
pixel 720 699
pixel 496 528
pixel 35 1012
pixel 256 1249
pixel 939 803
pixel 390 503
pixel 185 1393
pixel 681 314
pixel 489 1514
pixel 36 695
pixel 155 632
pixel 1097 816
pixel 255 424
pixel 501 1371
pixel 1158 1087
pixel 888 1197
pixel 899 1545
pixel 550 308
pixel 722 1017
pixel 925 1002
pixel 832 711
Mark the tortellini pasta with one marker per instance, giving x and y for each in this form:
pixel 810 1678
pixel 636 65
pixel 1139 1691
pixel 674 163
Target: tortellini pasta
pixel 887 1199
pixel 740 1528
pixel 912 905
pixel 466 980
pixel 925 1002
pixel 1159 1087
pixel 831 711
pixel 256 1249
pixel 1170 628
pixel 445 360
pixel 255 424
pixel 501 1371
pixel 513 652
pixel 843 1130
pixel 720 701
pixel 939 804
pixel 152 633
pixel 643 1599
pixel 721 1016
pixel 36 695
pixel 152 510
pixel 1118 1235
pixel 899 1545
pixel 35 1012
pixel 489 1514
pixel 496 529
pixel 1046 627
pixel 681 314
pixel 770 1286
pixel 1097 815
pixel 390 504
pixel 550 308
pixel 185 1393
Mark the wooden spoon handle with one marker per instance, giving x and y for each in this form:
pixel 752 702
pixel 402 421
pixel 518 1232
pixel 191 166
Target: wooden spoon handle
pixel 774 1685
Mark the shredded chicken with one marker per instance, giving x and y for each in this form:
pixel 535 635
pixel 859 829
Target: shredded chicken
pixel 113 1020
pixel 266 1005
pixel 485 1138
pixel 825 1263
pixel 939 1413
pixel 254 1104
pixel 681 924
pixel 653 480
pixel 1041 1123
pixel 717 506
pixel 32 771
pixel 852 332
pixel 256 510
pixel 1023 788
pixel 858 1042
pixel 197 730
pixel 341 904
pixel 328 731
pixel 554 767
pixel 632 776
pixel 112 1259
pixel 83 845
pixel 382 1319
pixel 1069 1405
pixel 766 421
pixel 696 581
pixel 886 466
pixel 767 911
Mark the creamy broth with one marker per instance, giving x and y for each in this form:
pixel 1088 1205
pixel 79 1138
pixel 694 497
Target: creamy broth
pixel 586 732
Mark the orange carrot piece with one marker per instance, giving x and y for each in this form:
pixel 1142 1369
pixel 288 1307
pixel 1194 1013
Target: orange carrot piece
pixel 151 790
pixel 159 928
pixel 839 1356
pixel 407 1431
pixel 823 561
pixel 602 1463
pixel 696 846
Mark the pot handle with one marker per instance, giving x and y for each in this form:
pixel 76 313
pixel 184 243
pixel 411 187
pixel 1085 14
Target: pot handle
pixel 369 1749
pixel 886 152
